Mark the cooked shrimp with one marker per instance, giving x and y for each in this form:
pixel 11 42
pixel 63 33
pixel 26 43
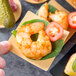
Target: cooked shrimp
pixel 43 11
pixel 60 17
pixel 36 27
pixel 33 49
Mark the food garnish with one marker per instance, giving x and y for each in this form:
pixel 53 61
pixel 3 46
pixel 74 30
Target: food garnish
pixel 54 31
pixel 72 20
pixel 14 32
pixel 74 66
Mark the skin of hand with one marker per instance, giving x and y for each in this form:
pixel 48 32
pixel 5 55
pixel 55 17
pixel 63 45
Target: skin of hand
pixel 4 49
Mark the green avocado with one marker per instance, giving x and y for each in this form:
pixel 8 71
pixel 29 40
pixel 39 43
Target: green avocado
pixel 74 66
pixel 6 14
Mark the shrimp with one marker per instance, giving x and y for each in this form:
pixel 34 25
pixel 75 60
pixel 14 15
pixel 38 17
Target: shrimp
pixel 60 17
pixel 33 49
pixel 43 11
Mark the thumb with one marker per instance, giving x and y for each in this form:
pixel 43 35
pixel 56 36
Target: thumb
pixel 4 47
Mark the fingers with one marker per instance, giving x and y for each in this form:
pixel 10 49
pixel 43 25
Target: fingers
pixel 2 63
pixel 2 73
pixel 4 47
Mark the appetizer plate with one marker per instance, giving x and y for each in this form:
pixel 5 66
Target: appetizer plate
pixel 35 2
pixel 43 64
pixel 17 13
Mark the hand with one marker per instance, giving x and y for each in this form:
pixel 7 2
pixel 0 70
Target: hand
pixel 4 49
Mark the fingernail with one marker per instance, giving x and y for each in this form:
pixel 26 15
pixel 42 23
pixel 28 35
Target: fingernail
pixel 2 63
pixel 2 73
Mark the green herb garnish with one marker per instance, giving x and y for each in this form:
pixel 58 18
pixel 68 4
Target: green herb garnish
pixel 14 32
pixel 74 66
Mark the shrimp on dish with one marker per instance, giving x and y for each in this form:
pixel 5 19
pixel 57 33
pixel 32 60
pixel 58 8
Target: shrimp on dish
pixel 60 17
pixel 33 49
pixel 43 11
